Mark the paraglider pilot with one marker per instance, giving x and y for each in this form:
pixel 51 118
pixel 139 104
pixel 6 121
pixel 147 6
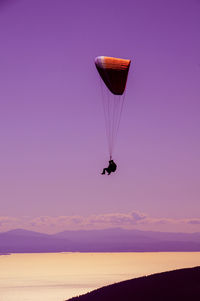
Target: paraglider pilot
pixel 111 168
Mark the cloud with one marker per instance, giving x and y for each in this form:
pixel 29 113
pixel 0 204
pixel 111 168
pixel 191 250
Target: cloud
pixel 131 220
pixel 8 221
pixel 115 219
pixel 193 221
pixel 138 216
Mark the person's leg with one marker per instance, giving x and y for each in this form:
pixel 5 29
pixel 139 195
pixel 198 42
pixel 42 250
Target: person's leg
pixel 104 170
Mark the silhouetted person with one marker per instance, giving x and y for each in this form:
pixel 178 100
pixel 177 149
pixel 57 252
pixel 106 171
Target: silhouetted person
pixel 111 168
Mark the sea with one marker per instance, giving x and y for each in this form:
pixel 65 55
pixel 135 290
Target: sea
pixel 60 276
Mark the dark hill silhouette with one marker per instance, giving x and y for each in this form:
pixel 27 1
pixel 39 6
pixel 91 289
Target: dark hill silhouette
pixel 178 285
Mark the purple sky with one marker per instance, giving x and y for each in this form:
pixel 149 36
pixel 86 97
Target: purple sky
pixel 53 143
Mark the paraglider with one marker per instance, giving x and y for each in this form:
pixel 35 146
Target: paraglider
pixel 111 168
pixel 113 73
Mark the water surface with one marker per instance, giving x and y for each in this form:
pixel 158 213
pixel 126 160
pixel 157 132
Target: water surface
pixel 59 276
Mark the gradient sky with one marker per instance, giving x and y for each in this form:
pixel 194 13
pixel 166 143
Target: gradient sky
pixel 53 143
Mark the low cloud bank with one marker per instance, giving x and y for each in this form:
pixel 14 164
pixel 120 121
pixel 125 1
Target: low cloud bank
pixel 132 220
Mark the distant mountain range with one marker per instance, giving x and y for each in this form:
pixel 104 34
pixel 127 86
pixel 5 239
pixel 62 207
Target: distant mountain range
pixel 108 240
pixel 178 285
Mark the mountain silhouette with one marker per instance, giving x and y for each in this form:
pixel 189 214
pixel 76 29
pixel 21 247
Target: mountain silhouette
pixel 107 240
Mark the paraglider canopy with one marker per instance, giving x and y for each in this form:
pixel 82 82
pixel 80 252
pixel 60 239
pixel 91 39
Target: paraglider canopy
pixel 113 72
